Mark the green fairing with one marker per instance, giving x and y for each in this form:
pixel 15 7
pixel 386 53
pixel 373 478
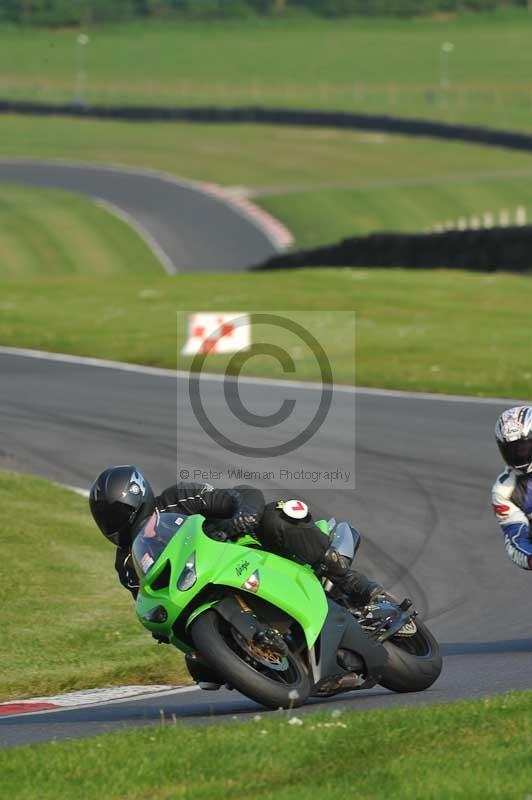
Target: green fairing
pixel 285 584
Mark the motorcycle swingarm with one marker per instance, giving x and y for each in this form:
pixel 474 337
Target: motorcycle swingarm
pixel 342 632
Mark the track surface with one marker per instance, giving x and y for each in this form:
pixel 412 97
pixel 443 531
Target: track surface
pixel 198 232
pixel 424 470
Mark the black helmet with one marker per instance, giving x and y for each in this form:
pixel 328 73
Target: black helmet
pixel 119 498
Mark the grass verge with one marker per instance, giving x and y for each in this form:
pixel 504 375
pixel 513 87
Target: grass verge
pixel 48 232
pixel 324 184
pixel 437 330
pixel 375 65
pixel 465 750
pixel 321 217
pixel 66 622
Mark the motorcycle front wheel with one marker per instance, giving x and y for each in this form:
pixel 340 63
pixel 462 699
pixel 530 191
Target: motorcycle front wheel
pixel 273 681
pixel 413 662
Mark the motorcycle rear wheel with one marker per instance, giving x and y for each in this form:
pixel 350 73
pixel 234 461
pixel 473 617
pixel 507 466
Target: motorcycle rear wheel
pixel 214 640
pixel 413 663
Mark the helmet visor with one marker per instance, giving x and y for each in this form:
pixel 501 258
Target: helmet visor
pixel 111 518
pixel 517 454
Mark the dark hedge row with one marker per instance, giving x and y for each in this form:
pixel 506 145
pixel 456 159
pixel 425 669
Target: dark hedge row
pixel 280 116
pixel 75 12
pixel 506 249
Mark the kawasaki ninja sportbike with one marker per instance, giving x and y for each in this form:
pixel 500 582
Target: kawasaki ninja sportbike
pixel 268 626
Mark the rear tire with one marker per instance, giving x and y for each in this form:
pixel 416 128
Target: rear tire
pixel 413 663
pixel 207 635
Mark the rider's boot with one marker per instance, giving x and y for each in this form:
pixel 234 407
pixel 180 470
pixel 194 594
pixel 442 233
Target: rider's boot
pixel 360 590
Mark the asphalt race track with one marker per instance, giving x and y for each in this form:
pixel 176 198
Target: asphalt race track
pixel 191 230
pixel 424 471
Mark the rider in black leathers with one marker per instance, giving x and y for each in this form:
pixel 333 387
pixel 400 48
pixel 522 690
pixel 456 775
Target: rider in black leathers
pixel 121 500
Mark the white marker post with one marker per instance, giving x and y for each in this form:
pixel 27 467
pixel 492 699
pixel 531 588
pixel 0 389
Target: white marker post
pixel 520 216
pixel 81 75
pixel 445 50
pixel 504 218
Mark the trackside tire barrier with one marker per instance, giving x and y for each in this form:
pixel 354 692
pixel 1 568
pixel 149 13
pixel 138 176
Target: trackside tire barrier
pixel 348 120
pixel 496 249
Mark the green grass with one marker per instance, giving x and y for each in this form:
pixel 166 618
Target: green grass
pixel 66 621
pixel 45 232
pixel 437 330
pixel 470 750
pixel 327 216
pixel 324 184
pixel 261 158
pixel 375 65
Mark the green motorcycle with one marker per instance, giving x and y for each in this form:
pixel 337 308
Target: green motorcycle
pixel 268 626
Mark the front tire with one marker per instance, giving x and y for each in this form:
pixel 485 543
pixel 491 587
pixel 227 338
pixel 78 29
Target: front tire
pixel 214 640
pixel 413 663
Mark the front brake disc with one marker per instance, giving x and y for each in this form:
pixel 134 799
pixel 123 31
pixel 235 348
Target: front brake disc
pixel 262 655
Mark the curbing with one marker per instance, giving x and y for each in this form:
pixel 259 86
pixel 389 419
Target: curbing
pixel 89 697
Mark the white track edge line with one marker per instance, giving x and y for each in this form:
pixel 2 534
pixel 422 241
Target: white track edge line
pixel 161 372
pixel 76 489
pixel 153 245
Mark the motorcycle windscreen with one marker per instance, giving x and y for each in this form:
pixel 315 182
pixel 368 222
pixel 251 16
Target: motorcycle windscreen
pixel 345 540
pixel 153 538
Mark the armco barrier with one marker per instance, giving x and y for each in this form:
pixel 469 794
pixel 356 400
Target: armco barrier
pixel 278 116
pixel 506 249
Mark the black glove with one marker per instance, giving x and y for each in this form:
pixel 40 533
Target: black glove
pixel 245 521
pixel 126 571
pixel 334 564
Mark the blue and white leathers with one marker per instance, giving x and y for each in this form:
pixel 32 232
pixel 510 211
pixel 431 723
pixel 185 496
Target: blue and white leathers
pixel 512 504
